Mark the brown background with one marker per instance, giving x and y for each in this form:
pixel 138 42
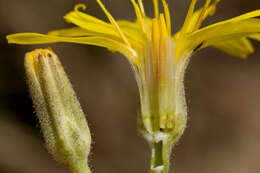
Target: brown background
pixel 223 133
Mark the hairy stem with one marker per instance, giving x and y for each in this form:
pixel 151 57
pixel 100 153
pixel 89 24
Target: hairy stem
pixel 160 158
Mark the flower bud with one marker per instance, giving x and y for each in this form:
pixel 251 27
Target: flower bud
pixel 62 120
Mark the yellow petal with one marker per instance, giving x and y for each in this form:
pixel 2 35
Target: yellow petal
pixel 240 47
pixel 86 17
pixel 94 27
pixel 156 8
pixel 141 6
pixel 34 38
pixel 201 14
pixel 140 18
pixel 80 32
pixel 196 15
pixel 255 36
pixel 188 17
pixel 223 31
pixel 245 16
pixel 201 17
pixel 133 30
pixel 114 23
pixel 167 16
pixel 184 29
pixel 70 32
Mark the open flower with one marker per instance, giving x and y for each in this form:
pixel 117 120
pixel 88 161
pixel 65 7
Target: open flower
pixel 158 57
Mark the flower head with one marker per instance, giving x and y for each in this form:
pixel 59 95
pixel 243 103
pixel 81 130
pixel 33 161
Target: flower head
pixel 158 57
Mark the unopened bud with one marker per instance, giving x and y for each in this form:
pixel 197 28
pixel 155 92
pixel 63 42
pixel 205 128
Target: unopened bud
pixel 62 120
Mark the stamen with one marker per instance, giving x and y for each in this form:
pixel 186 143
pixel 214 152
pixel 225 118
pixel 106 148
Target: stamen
pixel 155 33
pixel 188 17
pixel 202 15
pixel 184 28
pixel 139 17
pixel 213 8
pixel 156 44
pixel 140 2
pixel 80 6
pixel 156 8
pixel 162 72
pixel 167 16
pixel 113 22
pixel 163 28
pixel 163 37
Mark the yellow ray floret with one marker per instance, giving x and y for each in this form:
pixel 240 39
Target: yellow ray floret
pixel 156 8
pixel 34 38
pixel 113 22
pixel 140 18
pixel 167 16
pixel 201 17
pixel 230 36
pixel 239 47
pixel 141 6
pixel 223 31
pixel 184 29
pixel 255 36
pixel 159 59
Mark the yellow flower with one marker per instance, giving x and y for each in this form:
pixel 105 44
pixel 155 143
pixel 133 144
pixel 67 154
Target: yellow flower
pixel 158 57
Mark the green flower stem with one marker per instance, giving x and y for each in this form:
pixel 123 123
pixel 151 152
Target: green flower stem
pixel 80 167
pixel 161 152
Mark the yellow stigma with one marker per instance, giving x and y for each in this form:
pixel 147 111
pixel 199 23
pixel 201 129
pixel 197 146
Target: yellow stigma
pixel 156 8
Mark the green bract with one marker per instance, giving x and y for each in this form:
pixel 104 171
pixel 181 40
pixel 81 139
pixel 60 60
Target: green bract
pixel 62 120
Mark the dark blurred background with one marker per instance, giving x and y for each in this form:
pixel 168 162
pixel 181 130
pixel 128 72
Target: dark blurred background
pixel 223 133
